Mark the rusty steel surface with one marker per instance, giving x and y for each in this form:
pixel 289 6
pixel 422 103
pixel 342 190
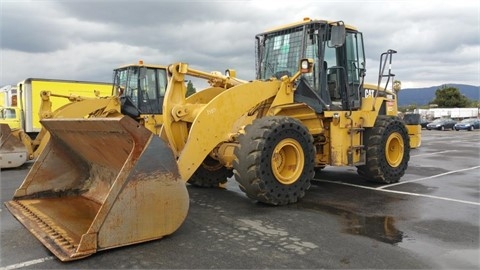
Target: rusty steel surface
pixel 57 222
pixel 100 183
pixel 13 152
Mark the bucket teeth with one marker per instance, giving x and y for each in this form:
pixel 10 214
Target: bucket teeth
pixel 46 225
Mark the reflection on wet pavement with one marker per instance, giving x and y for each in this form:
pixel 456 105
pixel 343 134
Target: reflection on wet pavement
pixel 381 228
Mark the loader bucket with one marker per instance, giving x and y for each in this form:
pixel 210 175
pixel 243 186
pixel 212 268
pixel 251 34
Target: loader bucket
pixel 13 152
pixel 100 183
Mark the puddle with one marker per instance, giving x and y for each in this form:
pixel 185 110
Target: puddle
pixel 375 227
pixel 380 228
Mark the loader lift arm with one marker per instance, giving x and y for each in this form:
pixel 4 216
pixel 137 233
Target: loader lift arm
pixel 210 124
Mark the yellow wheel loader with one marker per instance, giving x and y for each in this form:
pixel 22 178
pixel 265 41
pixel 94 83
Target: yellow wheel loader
pixel 108 181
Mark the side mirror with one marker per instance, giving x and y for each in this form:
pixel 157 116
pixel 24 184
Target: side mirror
pixel 306 65
pixel 337 35
pixel 231 73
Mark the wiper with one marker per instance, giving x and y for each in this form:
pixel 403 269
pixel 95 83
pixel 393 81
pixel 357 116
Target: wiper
pixel 270 67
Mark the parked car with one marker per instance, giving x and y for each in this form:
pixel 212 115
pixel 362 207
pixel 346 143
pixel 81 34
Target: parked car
pixel 424 122
pixel 467 124
pixel 441 124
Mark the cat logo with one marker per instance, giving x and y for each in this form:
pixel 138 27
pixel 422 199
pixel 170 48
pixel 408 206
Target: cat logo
pixel 369 93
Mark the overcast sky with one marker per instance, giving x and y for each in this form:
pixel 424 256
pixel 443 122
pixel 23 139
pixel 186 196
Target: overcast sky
pixel 438 42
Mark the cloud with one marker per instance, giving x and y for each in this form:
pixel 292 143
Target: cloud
pixel 86 39
pixel 35 34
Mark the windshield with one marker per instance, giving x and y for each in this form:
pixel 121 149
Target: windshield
pixel 126 83
pixel 7 113
pixel 144 87
pixel 281 53
pixel 468 121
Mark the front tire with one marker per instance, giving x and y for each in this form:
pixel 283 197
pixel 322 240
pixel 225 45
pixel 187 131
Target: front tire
pixel 210 174
pixel 275 160
pixel 388 151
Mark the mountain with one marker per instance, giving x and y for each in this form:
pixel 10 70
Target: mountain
pixel 422 96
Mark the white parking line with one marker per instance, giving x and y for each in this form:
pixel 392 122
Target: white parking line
pixel 429 177
pixel 434 153
pixel 28 263
pixel 430 196
pixel 399 192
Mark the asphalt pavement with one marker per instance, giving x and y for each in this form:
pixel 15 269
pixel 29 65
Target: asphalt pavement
pixel 429 220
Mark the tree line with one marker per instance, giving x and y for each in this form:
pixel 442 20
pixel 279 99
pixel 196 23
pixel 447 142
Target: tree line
pixel 451 97
pixel 445 97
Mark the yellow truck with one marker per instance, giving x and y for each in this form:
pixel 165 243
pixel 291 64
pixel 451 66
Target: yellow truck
pixel 5 91
pixel 8 103
pixel 24 105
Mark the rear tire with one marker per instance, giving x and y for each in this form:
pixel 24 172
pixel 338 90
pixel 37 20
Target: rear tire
pixel 210 174
pixel 388 151
pixel 275 160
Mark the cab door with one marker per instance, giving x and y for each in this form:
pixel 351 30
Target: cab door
pixel 345 71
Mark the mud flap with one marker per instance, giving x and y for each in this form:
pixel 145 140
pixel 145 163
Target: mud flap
pixel 100 183
pixel 13 152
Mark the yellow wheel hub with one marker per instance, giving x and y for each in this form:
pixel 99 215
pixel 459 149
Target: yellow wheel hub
pixel 394 149
pixel 287 161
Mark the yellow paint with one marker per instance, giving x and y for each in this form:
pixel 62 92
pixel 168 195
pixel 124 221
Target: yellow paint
pixel 415 134
pixel 288 161
pixel 394 148
pixel 29 102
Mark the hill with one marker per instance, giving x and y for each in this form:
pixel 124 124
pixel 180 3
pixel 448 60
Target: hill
pixel 422 96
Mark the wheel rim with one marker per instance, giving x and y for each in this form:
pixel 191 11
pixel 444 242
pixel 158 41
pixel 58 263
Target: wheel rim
pixel 287 161
pixel 211 164
pixel 394 149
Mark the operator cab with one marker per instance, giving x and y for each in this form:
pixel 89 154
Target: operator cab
pixel 141 89
pixel 336 82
